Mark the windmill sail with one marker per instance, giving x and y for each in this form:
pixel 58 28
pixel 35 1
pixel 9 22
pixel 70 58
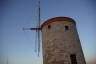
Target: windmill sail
pixel 38 31
pixel 38 28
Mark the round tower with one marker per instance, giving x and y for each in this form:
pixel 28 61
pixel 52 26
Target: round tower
pixel 60 42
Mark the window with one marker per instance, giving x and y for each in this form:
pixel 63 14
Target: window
pixel 49 26
pixel 66 28
pixel 73 59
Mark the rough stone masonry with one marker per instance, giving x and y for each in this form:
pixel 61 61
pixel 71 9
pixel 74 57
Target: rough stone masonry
pixel 60 42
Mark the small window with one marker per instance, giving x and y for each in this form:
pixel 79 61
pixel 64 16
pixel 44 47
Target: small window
pixel 73 59
pixel 66 28
pixel 49 26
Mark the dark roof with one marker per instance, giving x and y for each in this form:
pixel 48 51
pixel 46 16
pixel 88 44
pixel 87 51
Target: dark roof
pixel 67 19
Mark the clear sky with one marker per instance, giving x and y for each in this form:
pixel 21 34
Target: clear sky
pixel 18 45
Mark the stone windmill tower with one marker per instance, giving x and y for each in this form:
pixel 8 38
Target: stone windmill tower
pixel 60 41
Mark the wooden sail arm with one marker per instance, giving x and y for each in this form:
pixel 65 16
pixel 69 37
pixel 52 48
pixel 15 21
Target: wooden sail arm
pixel 35 28
pixel 31 28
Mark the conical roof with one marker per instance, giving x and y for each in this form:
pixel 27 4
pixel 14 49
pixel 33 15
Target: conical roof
pixel 67 19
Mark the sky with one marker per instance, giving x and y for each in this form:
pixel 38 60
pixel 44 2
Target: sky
pixel 17 45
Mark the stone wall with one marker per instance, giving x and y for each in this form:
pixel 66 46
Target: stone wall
pixel 58 43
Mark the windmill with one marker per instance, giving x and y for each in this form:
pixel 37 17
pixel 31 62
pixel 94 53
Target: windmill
pixel 60 40
pixel 37 29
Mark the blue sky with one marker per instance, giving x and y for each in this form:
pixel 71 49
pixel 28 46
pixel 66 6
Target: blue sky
pixel 18 45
